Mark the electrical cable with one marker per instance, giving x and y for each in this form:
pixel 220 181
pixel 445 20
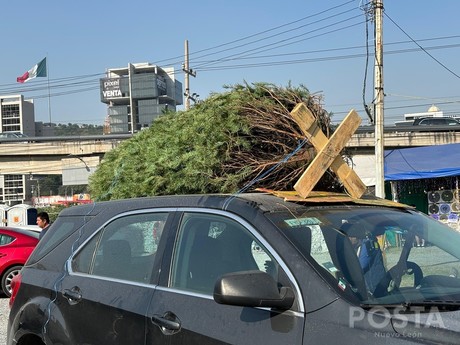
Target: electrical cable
pixel 366 108
pixel 205 66
pixel 418 45
pixel 356 47
pixel 244 55
pixel 405 160
pixel 260 33
pixel 277 43
pixel 45 87
pixel 321 59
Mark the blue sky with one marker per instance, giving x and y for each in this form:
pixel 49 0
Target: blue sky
pixel 319 44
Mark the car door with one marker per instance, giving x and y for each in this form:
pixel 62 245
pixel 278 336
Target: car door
pixel 104 298
pixel 183 310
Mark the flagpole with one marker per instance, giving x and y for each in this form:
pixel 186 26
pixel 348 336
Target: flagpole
pixel 49 92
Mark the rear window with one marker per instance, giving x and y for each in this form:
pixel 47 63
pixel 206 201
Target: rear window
pixel 58 232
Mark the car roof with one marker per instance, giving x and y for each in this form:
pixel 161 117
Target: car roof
pixel 433 120
pixel 25 232
pixel 266 200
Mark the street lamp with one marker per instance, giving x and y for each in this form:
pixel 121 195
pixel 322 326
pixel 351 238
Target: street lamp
pixel 80 159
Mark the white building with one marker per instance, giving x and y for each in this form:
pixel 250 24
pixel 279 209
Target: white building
pixel 17 115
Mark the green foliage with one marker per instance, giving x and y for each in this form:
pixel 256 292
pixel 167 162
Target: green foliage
pixel 180 153
pixel 48 184
pixel 73 129
pixel 219 145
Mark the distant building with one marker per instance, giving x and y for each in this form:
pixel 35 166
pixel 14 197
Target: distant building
pixel 44 129
pixel 136 95
pixel 17 115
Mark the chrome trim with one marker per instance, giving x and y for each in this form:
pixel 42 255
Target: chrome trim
pixel 129 213
pixel 125 281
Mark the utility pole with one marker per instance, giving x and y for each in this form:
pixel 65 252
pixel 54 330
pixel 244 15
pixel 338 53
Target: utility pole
pixel 188 72
pixel 378 101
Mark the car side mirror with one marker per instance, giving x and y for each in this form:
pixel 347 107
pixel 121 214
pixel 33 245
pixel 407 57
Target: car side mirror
pixel 252 289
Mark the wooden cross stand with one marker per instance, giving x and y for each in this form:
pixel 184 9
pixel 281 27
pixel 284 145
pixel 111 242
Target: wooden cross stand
pixel 328 151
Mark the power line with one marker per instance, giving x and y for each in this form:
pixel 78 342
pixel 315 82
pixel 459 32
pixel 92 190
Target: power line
pixel 89 82
pixel 320 59
pixel 79 82
pixel 367 11
pixel 95 82
pixel 260 33
pixel 341 48
pixel 423 49
pixel 284 40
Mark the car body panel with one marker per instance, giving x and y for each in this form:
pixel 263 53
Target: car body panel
pixel 114 317
pixel 217 324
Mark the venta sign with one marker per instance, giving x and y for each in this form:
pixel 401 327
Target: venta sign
pixel 111 88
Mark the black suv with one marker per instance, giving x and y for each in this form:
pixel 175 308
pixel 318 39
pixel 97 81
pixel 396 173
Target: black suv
pixel 240 269
pixel 436 121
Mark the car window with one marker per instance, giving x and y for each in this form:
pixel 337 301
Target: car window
pixel 124 249
pixel 5 239
pixel 438 121
pixel 426 122
pixel 58 232
pixel 377 255
pixel 209 246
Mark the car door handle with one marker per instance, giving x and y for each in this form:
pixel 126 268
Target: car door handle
pixel 169 323
pixel 73 295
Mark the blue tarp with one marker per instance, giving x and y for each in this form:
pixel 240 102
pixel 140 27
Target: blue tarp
pixel 422 162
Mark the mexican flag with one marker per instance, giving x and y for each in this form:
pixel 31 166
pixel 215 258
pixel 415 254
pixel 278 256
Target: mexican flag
pixel 39 70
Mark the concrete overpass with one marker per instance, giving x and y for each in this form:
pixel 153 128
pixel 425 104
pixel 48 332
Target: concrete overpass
pixel 363 141
pixel 53 155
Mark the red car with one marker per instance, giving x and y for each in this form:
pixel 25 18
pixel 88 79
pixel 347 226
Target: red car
pixel 15 248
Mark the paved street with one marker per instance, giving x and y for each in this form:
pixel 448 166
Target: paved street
pixel 4 312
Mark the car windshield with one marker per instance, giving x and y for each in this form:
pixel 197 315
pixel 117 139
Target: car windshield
pixel 379 255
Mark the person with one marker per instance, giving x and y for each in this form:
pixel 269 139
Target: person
pixel 43 221
pixel 370 258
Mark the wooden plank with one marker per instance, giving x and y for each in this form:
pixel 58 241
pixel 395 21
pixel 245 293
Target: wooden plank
pixel 328 151
pixel 307 123
pixel 331 197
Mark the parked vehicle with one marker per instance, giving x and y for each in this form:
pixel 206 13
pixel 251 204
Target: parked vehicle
pixel 429 121
pixel 436 121
pixel 15 247
pixel 250 268
pixel 12 135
